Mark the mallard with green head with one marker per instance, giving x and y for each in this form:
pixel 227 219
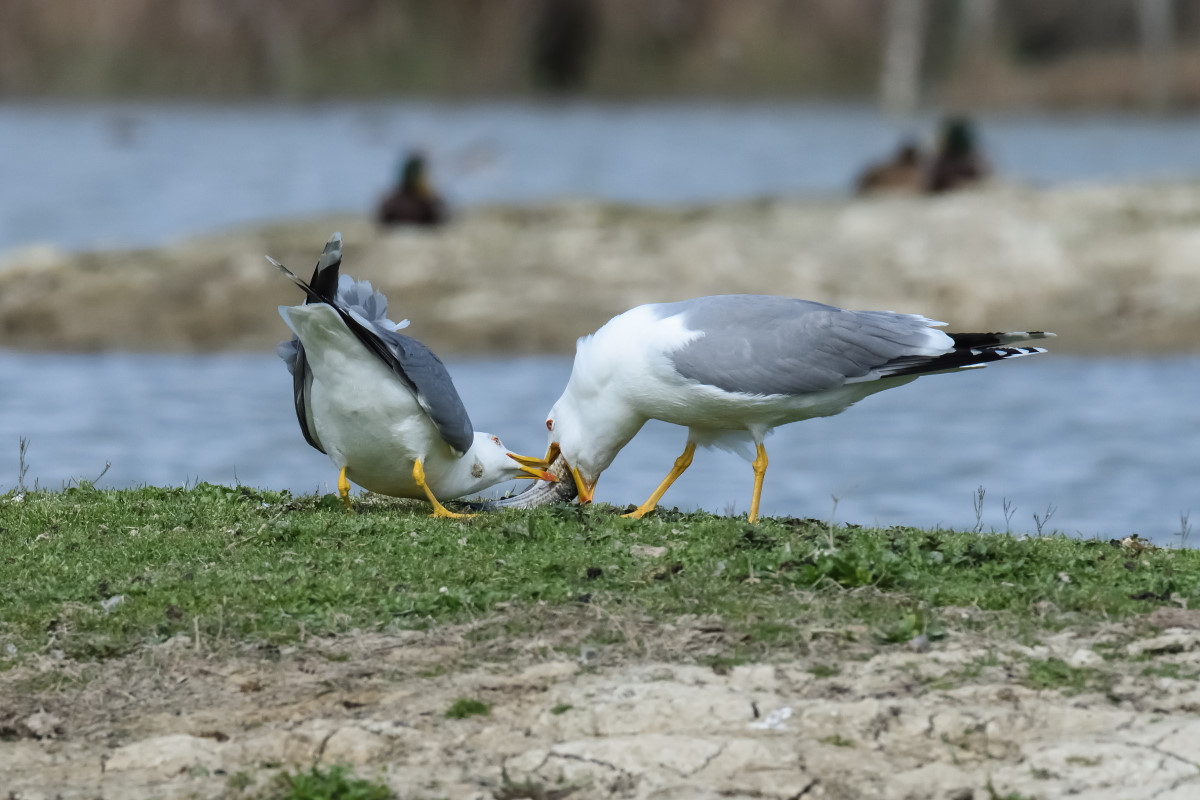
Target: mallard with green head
pixel 413 201
pixel 959 161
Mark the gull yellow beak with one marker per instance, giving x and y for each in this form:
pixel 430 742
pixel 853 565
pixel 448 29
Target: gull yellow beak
pixel 530 461
pixel 585 489
pixel 533 467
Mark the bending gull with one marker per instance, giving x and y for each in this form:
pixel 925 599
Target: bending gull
pixel 380 404
pixel 731 368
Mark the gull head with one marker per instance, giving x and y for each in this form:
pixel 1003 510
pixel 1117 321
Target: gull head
pixel 489 462
pixel 587 447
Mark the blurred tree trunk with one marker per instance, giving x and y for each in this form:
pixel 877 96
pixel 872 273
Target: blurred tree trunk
pixel 977 30
pixel 900 83
pixel 978 60
pixel 1156 24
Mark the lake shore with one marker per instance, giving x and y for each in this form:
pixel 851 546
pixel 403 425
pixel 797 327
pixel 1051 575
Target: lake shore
pixel 1111 269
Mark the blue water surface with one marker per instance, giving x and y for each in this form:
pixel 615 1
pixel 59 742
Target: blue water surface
pixel 143 174
pixel 1104 447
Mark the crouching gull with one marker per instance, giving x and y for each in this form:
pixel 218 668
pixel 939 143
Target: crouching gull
pixel 380 404
pixel 731 368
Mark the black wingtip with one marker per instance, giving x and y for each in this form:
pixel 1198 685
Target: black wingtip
pixel 322 287
pixel 332 254
pixel 996 338
pixel 960 358
pixel 296 279
pixel 325 276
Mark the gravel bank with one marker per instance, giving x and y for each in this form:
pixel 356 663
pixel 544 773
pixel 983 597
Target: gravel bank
pixel 1110 269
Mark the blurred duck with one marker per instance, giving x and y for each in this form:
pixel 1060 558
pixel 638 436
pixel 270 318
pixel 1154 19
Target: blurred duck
pixel 413 201
pixel 905 172
pixel 958 162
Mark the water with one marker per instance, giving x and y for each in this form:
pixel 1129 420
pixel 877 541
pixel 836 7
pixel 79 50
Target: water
pixel 1107 443
pixel 142 174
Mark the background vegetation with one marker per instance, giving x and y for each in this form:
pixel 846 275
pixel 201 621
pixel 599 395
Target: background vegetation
pixel 1034 51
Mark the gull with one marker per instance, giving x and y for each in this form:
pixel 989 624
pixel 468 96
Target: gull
pixel 731 368
pixel 380 404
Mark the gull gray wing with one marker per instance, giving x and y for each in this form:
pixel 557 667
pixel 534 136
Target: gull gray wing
pixel 292 353
pixel 424 373
pixel 365 314
pixel 364 311
pixel 760 344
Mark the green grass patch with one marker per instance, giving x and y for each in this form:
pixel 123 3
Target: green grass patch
pixel 969 672
pixel 1054 673
pixel 467 707
pixel 239 781
pixel 335 784
pixel 1171 670
pixel 94 573
pixel 837 740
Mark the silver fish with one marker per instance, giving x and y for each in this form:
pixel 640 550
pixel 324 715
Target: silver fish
pixel 540 493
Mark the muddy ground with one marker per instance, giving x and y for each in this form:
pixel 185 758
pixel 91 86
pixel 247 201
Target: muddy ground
pixel 962 718
pixel 1110 269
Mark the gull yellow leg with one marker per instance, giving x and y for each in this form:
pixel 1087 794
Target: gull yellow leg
pixel 681 463
pixel 760 469
pixel 439 510
pixel 344 489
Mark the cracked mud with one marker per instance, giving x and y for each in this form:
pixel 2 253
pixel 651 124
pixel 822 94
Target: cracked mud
pixel 959 722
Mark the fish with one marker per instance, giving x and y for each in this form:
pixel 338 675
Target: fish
pixel 541 493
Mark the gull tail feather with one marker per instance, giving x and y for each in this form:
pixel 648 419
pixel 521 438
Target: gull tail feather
pixel 971 351
pixel 323 286
pixel 296 279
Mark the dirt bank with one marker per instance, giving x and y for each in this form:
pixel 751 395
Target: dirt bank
pixel 1102 714
pixel 1111 269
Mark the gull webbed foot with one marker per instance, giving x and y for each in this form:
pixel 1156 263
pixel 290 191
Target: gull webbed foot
pixel 344 490
pixel 439 510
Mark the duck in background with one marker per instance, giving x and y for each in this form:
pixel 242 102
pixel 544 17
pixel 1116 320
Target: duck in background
pixel 959 161
pixel 905 172
pixel 413 201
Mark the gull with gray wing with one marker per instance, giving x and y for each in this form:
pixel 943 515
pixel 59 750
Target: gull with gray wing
pixel 380 404
pixel 731 368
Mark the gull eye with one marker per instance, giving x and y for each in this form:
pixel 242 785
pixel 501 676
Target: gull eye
pixel 550 425
pixel 496 439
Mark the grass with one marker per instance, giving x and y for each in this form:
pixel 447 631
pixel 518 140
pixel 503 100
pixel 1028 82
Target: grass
pixel 235 564
pixel 837 740
pixel 1171 670
pixel 335 784
pixel 467 707
pixel 1054 673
